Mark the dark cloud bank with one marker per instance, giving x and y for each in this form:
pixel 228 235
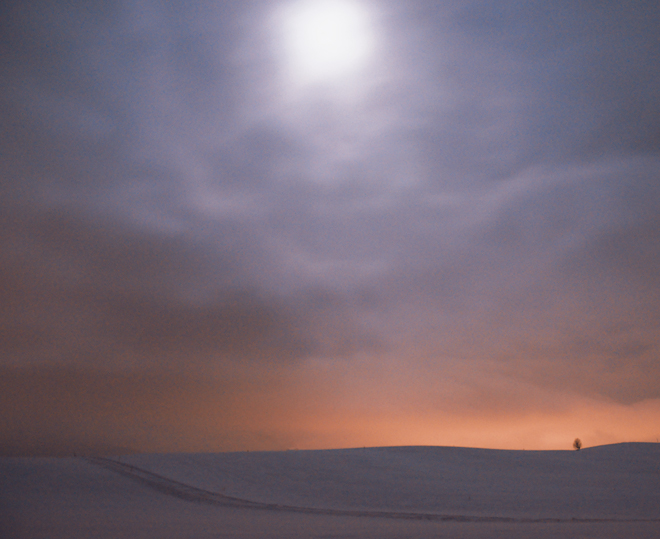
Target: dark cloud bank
pixel 187 247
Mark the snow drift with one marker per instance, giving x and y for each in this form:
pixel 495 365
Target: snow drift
pixel 607 491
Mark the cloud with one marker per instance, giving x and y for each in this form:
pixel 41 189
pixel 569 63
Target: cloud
pixel 486 189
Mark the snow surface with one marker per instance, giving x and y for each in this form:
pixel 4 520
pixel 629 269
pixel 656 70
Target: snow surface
pixel 605 492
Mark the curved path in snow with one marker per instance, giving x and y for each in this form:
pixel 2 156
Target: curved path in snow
pixel 194 494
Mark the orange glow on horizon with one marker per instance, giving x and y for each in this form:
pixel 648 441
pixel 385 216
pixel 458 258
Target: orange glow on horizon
pixel 65 411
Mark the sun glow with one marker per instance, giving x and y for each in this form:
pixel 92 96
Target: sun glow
pixel 326 39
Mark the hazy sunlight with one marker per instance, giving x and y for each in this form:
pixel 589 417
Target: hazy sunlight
pixel 326 39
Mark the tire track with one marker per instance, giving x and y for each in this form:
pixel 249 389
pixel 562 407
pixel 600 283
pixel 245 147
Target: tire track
pixel 189 493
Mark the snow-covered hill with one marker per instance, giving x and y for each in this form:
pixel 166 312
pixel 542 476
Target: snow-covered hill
pixel 607 491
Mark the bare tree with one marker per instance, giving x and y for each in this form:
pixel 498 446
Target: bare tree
pixel 577 444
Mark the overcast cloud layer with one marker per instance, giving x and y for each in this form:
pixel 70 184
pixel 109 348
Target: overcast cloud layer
pixel 200 253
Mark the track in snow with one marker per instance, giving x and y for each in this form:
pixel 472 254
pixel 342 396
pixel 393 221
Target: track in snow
pixel 194 494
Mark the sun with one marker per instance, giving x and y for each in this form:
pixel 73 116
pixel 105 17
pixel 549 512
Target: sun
pixel 326 39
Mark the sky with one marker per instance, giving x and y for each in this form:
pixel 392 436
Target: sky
pixel 265 225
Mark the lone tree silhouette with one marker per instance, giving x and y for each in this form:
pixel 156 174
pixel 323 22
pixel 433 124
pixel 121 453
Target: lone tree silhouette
pixel 577 444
